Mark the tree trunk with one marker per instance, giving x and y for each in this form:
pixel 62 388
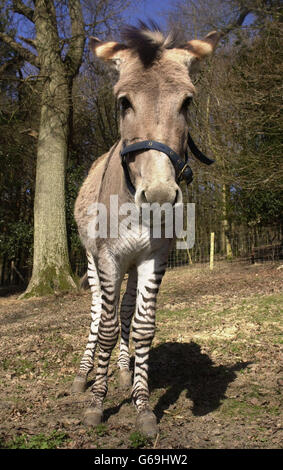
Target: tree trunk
pixel 51 267
pixel 225 242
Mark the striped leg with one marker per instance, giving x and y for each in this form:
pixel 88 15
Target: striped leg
pixel 127 310
pixel 150 274
pixel 107 335
pixel 86 365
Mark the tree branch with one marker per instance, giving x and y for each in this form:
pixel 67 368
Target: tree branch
pixel 22 51
pixel 22 9
pixel 10 63
pixel 238 22
pixel 74 55
pixel 29 41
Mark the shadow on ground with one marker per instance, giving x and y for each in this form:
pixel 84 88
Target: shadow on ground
pixel 182 366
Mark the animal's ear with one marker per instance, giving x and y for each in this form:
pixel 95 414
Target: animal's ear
pixel 201 48
pixel 109 51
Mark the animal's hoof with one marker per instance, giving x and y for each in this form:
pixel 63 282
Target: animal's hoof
pixel 146 423
pixel 125 379
pixel 93 416
pixel 79 384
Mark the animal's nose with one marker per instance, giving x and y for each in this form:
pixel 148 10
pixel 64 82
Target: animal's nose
pixel 159 194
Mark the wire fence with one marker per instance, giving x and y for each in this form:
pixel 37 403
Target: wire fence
pixel 244 244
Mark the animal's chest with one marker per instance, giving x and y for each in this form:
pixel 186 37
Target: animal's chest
pixel 136 244
pixel 131 243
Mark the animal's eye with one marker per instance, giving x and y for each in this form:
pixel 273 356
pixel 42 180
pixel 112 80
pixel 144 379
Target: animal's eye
pixel 124 104
pixel 186 103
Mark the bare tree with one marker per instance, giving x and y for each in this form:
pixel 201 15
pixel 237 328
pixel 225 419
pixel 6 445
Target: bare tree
pixel 56 52
pixel 236 117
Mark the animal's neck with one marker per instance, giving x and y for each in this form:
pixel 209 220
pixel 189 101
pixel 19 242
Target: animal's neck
pixel 114 180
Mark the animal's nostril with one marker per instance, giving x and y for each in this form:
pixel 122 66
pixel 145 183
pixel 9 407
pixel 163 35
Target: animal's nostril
pixel 176 198
pixel 140 198
pixel 179 197
pixel 143 198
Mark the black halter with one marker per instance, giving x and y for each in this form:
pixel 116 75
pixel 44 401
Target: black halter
pixel 182 168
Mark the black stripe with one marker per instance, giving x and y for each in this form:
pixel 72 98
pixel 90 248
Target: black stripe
pixel 108 291
pixel 152 290
pixel 107 300
pixel 148 299
pixel 132 305
pixel 101 272
pixel 146 314
pixel 109 311
pixel 155 281
pixel 142 355
pixel 145 329
pixel 160 272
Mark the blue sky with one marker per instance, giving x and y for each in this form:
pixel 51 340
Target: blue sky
pixel 146 9
pixel 156 10
pixel 150 9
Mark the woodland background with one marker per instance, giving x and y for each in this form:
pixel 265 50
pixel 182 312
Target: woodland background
pixel 235 119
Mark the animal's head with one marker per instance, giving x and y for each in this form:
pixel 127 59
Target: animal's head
pixel 154 91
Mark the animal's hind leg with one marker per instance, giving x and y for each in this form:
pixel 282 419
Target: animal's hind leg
pixel 127 310
pixel 86 364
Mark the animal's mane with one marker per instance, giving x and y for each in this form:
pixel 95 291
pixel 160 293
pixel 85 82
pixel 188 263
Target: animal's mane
pixel 148 40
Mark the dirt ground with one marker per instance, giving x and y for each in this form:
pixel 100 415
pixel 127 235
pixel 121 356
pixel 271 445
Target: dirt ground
pixel 214 366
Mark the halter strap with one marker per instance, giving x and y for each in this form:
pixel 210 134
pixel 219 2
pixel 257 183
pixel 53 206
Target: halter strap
pixel 197 153
pixel 182 168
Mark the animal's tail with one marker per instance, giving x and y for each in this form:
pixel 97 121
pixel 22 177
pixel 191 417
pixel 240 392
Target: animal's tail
pixel 84 284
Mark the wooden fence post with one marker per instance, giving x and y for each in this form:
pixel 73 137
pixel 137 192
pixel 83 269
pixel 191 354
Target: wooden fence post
pixel 211 250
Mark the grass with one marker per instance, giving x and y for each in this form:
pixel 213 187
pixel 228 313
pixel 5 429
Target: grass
pixel 138 440
pixel 232 407
pixel 237 408
pixel 257 311
pixel 220 351
pixel 18 366
pixel 40 441
pixel 101 430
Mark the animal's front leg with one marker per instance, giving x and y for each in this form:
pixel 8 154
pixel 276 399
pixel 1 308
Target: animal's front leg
pixel 150 275
pixel 107 335
pixel 86 365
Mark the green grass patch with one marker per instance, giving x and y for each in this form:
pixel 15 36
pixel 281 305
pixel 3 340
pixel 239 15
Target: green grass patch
pixel 40 441
pixel 235 408
pixel 101 430
pixel 138 440
pixel 17 365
